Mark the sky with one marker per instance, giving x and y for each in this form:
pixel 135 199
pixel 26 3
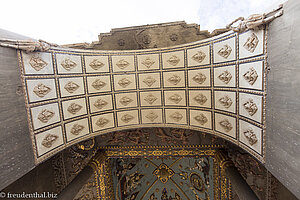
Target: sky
pixel 76 21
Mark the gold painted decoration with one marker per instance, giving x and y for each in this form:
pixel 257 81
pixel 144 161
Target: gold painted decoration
pixel 49 140
pixel 148 62
pixel 163 173
pixel 226 101
pixel 225 51
pixel 101 122
pixel 199 78
pixel 150 98
pixel 45 115
pixel 199 56
pixel 124 82
pixel 98 84
pixel 197 182
pixel 251 76
pixel 176 116
pixel 41 90
pixel 122 64
pixel 68 64
pixel 74 108
pixel 173 60
pixel 226 125
pixel 250 107
pixel 96 64
pixel 176 98
pixel 127 118
pixel 225 76
pixel 201 119
pixel 76 129
pixel 151 116
pixel 100 103
pixel 37 63
pixel 175 79
pixel 250 136
pixel 251 43
pixel 71 87
pixel 125 100
pixel 201 99
pixel 149 81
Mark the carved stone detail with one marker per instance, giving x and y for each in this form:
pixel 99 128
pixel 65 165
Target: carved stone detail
pixel 225 51
pixel 226 125
pixel 226 101
pixel 199 78
pixel 149 80
pixel 175 79
pixel 251 43
pixel 251 76
pixel 122 64
pixel 176 116
pixel 127 118
pixel 98 84
pixel 173 37
pixel 124 82
pixel 71 87
pixel 101 122
pixel 121 42
pixel 150 98
pixel 45 115
pixel 37 63
pixel 251 107
pixel 225 77
pixel 68 64
pixel 199 56
pixel 41 90
pixel 49 140
pixel 202 119
pixel 96 64
pixel 200 98
pixel 99 103
pixel 76 129
pixel 74 108
pixel 125 100
pixel 175 98
pixel 173 60
pixel 251 136
pixel 148 62
pixel 151 116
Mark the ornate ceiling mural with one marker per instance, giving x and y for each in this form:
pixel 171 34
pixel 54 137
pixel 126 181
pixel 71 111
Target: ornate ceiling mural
pixel 215 86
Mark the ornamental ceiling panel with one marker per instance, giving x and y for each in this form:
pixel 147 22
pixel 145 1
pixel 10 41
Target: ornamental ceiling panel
pixel 216 86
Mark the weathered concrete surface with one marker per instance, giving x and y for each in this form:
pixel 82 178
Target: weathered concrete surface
pixel 16 154
pixel 283 100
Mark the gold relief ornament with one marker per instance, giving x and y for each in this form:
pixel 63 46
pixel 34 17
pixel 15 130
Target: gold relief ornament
pixel 68 64
pixel 49 140
pixel 225 51
pixel 96 64
pixel 175 98
pixel 150 98
pixel 226 101
pixel 199 78
pixel 148 62
pixel 197 182
pixel 41 90
pixel 250 107
pixel 125 100
pixel 101 122
pixel 163 173
pixel 100 103
pixel 173 60
pixel 151 116
pixel 251 76
pixel 199 56
pixel 127 118
pixel 76 129
pixel 149 80
pixel 124 82
pixel 71 87
pixel 201 118
pixel 45 115
pixel 98 84
pixel 37 63
pixel 122 64
pixel 250 136
pixel 74 108
pixel 226 125
pixel 175 79
pixel 176 116
pixel 225 76
pixel 251 43
pixel 200 98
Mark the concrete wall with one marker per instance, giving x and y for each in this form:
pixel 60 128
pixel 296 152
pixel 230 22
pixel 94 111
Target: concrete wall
pixel 283 99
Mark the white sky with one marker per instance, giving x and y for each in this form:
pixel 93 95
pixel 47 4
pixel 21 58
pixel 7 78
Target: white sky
pixel 74 21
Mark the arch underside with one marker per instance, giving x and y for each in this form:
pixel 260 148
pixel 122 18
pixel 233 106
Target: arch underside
pixel 215 86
